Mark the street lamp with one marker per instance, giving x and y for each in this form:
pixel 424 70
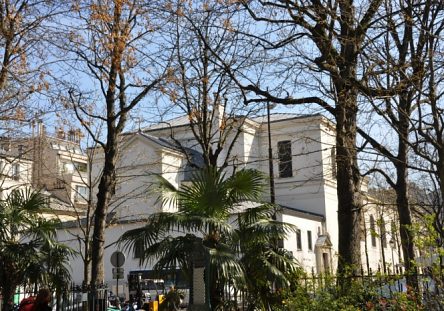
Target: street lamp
pixel 392 246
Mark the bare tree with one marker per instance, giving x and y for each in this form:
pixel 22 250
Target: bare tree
pixel 399 58
pixel 428 139
pixel 327 38
pixel 111 48
pixel 202 88
pixel 23 57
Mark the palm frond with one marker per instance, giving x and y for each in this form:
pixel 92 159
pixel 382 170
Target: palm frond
pixel 254 214
pixel 245 185
pixel 226 264
pixel 205 195
pixel 166 192
pixel 265 231
pixel 203 227
pixel 174 252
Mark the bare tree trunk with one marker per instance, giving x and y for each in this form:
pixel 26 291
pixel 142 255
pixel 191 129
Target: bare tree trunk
pixel 348 190
pixel 104 195
pixel 402 203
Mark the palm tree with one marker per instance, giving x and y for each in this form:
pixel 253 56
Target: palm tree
pixel 215 219
pixel 266 264
pixel 25 239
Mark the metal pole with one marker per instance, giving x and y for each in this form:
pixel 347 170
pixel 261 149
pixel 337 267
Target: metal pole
pixel 392 246
pixel 270 157
pixel 117 289
pixel 208 281
pixel 393 261
pixel 139 292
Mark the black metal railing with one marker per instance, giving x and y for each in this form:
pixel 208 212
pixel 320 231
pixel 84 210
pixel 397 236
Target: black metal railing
pixel 378 286
pixel 73 298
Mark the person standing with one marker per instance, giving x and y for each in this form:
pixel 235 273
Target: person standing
pixel 42 300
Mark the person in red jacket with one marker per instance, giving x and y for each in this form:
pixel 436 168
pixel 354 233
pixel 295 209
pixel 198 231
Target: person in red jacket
pixel 27 303
pixel 42 300
pixel 37 303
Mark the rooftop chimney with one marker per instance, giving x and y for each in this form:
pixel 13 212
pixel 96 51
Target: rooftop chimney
pixel 60 133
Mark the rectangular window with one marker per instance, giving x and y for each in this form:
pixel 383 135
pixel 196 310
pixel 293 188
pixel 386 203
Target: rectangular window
pixel 81 193
pixel 285 159
pixel 298 240
pixel 310 241
pixel 80 167
pixel 59 184
pixel 139 249
pixel 66 167
pixel 373 230
pixel 16 171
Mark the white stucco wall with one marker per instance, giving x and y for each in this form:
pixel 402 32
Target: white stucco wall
pixel 113 233
pixel 305 257
pixel 312 188
pixel 372 253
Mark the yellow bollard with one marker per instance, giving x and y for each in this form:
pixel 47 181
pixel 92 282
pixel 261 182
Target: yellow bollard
pixel 161 298
pixel 154 306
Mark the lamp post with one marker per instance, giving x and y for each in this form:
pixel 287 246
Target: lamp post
pixel 392 246
pixel 270 157
pixel 139 291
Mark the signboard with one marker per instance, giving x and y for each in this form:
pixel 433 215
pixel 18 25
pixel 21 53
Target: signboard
pixel 118 273
pixel 117 259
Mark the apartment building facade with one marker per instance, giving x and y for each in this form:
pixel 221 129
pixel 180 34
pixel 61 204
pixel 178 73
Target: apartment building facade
pixel 52 163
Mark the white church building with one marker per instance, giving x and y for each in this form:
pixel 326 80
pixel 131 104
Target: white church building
pixel 303 157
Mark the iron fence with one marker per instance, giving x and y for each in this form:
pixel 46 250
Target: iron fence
pixel 429 293
pixel 378 286
pixel 73 298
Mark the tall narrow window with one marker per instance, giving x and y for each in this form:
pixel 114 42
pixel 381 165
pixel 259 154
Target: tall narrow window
pixel 139 249
pixel 285 160
pixel 16 171
pixel 309 240
pixel 373 230
pixel 298 240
